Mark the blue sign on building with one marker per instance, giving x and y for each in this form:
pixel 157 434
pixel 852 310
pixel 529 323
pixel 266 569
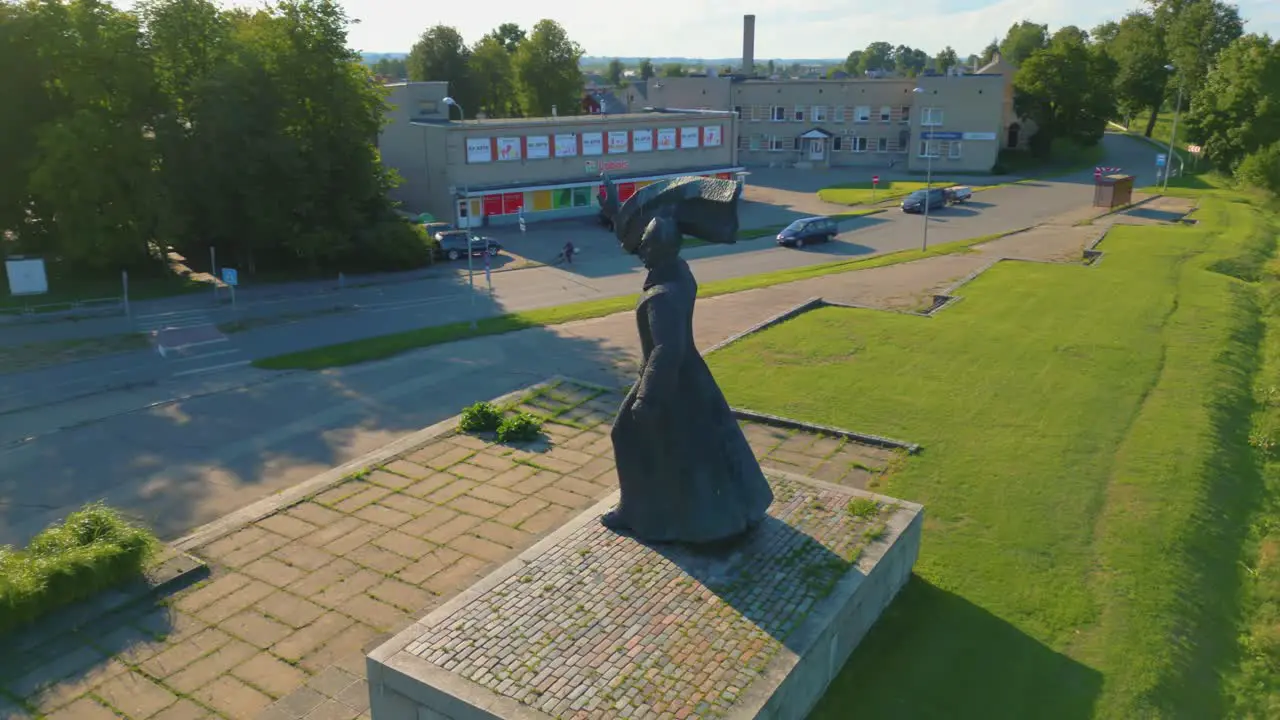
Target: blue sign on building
pixel 942 135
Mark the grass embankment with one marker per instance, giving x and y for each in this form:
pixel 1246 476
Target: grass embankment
pixel 380 348
pixel 1085 469
pixel 66 291
pixel 864 194
pixel 92 550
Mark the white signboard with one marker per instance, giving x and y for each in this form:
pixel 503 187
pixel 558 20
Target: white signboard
pixel 26 276
pixel 978 136
pixel 641 140
pixel 479 150
pixel 508 148
pixel 566 145
pixel 711 136
pixel 537 147
pixel 689 137
pixel 667 139
pixel 592 144
pixel 617 141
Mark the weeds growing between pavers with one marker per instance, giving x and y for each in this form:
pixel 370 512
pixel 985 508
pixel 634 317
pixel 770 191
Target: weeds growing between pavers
pixel 93 550
pixel 385 346
pixel 1086 482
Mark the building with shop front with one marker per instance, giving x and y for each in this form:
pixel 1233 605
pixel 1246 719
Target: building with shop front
pixel 494 171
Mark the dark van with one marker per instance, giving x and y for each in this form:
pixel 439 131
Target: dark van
pixel 808 230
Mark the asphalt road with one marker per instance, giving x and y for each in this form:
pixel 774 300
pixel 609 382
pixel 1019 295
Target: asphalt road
pixel 110 428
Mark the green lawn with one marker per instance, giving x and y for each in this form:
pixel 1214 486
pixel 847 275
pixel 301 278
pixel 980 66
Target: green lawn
pixel 385 346
pixel 863 194
pixel 1085 474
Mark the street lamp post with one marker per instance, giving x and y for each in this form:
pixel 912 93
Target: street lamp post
pixel 1173 132
pixel 928 176
pixel 471 272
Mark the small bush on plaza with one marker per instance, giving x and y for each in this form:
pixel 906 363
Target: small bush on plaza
pixel 519 428
pixel 481 417
pixel 94 549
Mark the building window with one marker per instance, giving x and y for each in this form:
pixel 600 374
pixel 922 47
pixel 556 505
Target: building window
pixel 931 116
pixel 775 143
pixel 756 142
pixel 744 142
pixel 928 148
pixel 862 113
pixel 953 151
pixel 858 144
pixel 798 115
pixel 906 114
pixel 836 143
pixel 778 113
pixel 837 114
pixel 737 110
pixel 819 113
pixel 882 145
pixel 886 112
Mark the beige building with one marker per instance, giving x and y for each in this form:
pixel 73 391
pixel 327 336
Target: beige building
pixel 477 172
pixel 873 122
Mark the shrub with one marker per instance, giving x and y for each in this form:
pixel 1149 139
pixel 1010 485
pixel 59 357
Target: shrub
pixel 862 507
pixel 522 427
pixel 481 417
pixel 391 244
pixel 92 550
pixel 1261 169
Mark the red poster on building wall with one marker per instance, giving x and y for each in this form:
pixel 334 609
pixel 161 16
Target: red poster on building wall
pixel 512 202
pixel 492 205
pixel 625 191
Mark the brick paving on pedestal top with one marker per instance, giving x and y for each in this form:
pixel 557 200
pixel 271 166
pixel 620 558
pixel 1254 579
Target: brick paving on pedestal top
pixel 280 628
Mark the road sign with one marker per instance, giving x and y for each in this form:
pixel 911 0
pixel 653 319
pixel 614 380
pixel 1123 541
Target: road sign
pixel 230 277
pixel 875 179
pixel 1161 159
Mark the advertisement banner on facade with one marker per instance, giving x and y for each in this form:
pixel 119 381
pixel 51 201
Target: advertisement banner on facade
pixel 978 136
pixel 479 150
pixel 566 145
pixel 618 141
pixel 614 165
pixel 641 140
pixel 711 136
pixel 537 147
pixel 667 139
pixel 688 137
pixel 508 149
pixel 592 143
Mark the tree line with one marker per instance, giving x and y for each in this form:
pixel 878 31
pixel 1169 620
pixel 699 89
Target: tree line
pixel 507 73
pixel 187 125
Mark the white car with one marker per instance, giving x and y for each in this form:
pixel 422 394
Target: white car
pixel 958 194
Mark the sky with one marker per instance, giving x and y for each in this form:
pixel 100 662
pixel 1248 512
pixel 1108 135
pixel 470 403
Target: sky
pixel 784 28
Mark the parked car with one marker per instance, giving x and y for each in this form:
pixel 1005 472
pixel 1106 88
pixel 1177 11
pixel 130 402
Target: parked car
pixel 435 227
pixel 958 194
pixel 454 244
pixel 808 230
pixel 915 202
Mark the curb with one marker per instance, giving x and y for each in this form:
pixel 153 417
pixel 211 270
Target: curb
pixel 288 497
pixel 792 424
pixel 810 304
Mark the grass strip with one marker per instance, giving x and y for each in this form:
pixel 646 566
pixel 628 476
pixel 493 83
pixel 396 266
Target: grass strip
pixel 93 550
pixel 385 346
pixel 1085 466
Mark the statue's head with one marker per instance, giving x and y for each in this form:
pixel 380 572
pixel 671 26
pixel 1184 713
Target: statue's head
pixel 653 223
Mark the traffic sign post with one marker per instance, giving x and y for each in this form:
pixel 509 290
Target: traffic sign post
pixel 1162 162
pixel 488 279
pixel 875 180
pixel 231 278
pixel 523 228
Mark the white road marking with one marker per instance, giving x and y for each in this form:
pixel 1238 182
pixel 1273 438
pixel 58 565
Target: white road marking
pixel 205 356
pixel 212 368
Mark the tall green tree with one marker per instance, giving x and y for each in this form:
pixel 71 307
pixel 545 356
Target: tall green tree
pixel 646 69
pixel 1023 39
pixel 673 70
pixel 1195 31
pixel 441 54
pixel 614 73
pixel 910 61
pixel 394 68
pixel 1236 111
pixel 25 109
pixel 877 56
pixel 547 71
pixel 1066 89
pixel 989 52
pixel 853 64
pixel 946 59
pixel 509 35
pixel 1137 45
pixel 494 79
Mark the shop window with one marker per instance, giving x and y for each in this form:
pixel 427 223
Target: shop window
pixel 581 196
pixel 492 204
pixel 562 198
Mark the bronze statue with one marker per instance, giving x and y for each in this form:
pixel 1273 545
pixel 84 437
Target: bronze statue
pixel 686 471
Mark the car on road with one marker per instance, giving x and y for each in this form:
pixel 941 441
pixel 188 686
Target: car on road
pixel 454 244
pixel 915 202
pixel 435 227
pixel 808 230
pixel 958 194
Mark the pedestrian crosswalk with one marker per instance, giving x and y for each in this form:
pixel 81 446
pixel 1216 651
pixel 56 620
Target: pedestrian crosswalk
pixel 191 341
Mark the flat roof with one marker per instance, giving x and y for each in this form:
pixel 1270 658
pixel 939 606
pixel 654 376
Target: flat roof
pixel 601 118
